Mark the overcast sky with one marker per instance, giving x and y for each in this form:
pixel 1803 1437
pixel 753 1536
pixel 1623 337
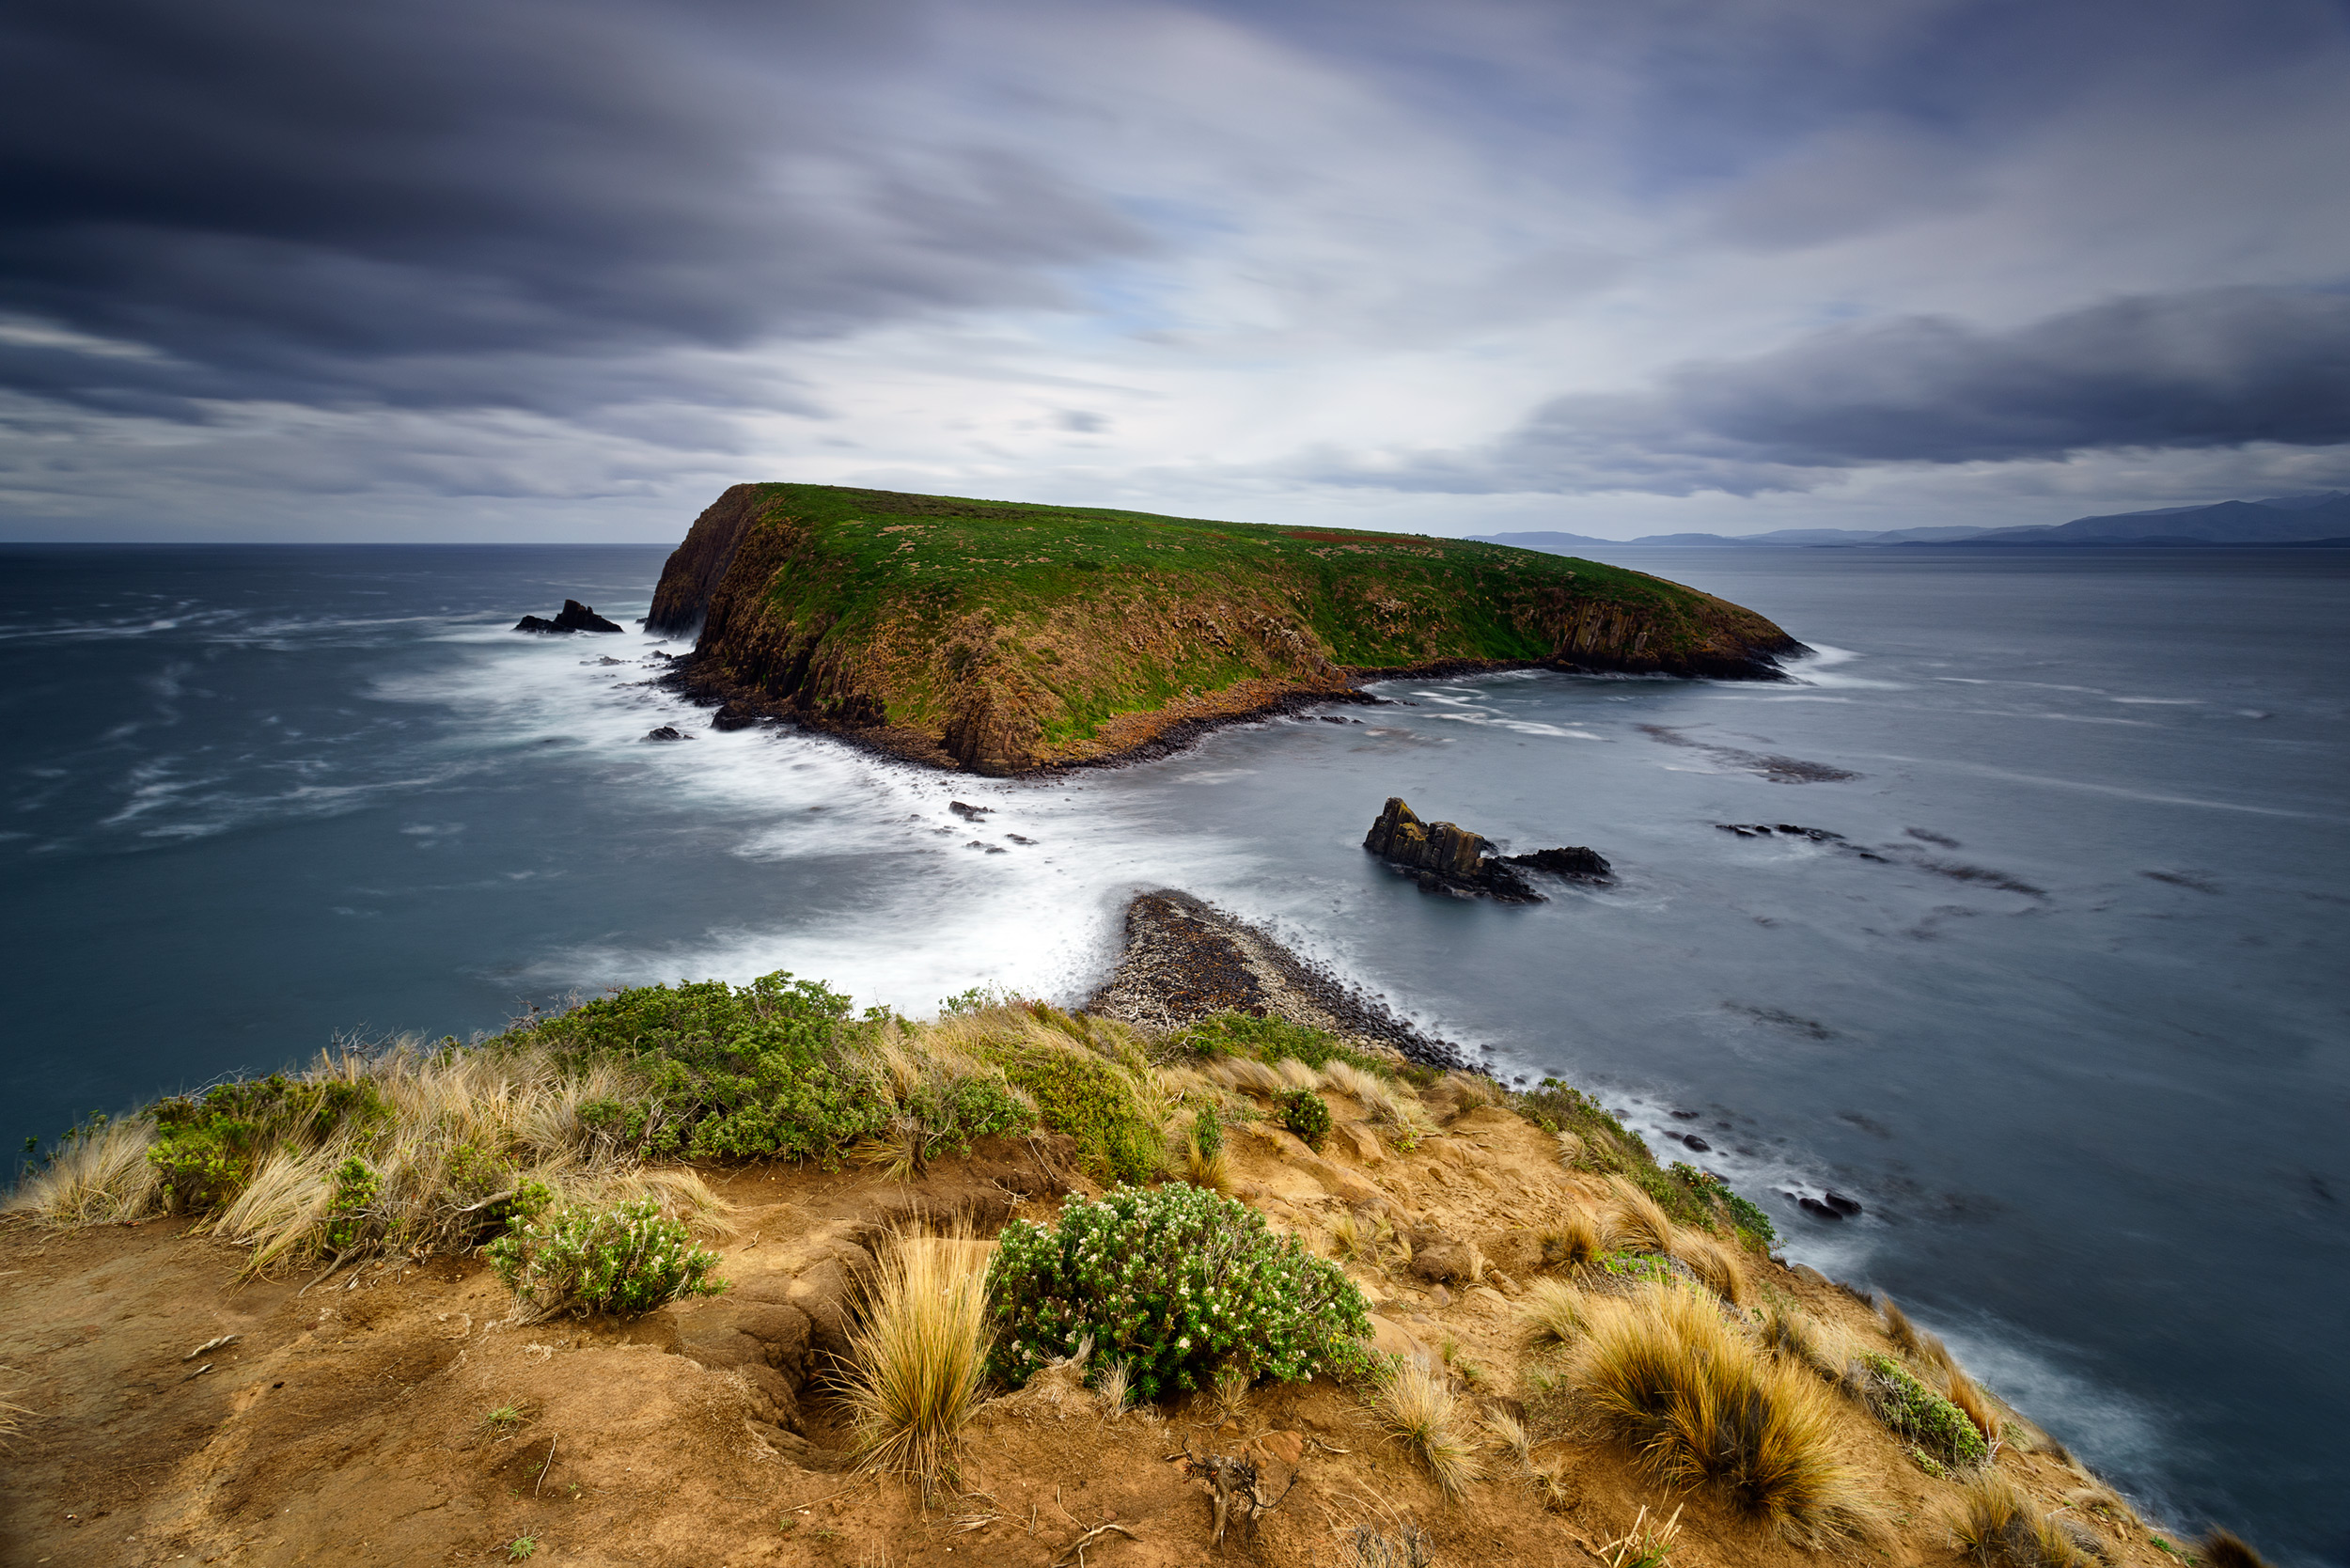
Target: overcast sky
pixel 564 268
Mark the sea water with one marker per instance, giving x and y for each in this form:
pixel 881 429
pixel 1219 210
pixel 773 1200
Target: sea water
pixel 2061 1003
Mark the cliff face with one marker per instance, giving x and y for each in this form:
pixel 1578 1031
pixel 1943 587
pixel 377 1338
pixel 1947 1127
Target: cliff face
pixel 695 567
pixel 1002 638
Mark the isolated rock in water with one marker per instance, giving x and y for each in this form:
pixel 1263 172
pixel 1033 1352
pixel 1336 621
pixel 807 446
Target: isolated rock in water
pixel 575 617
pixel 968 811
pixel 1442 858
pixel 1841 1204
pixel 1573 862
pixel 668 733
pixel 733 715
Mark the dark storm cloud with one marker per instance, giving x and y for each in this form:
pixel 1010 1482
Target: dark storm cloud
pixel 459 204
pixel 2212 368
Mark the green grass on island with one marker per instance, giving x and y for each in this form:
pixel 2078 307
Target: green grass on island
pixel 1018 636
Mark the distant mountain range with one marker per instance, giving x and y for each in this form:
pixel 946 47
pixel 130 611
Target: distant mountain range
pixel 2314 520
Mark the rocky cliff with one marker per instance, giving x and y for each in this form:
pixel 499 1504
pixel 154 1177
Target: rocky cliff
pixel 1003 637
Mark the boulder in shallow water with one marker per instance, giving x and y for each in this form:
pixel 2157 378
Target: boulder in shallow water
pixel 668 733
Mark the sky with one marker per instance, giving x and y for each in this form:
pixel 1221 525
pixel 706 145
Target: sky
pixel 543 271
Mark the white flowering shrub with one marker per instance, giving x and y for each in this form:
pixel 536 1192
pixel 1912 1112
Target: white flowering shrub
pixel 622 1261
pixel 1177 1282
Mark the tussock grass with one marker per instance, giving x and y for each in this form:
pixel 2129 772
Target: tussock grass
pixel 1717 1265
pixel 1510 1433
pixel 1115 1384
pixel 1638 1219
pixel 1575 1236
pixel 1296 1075
pixel 1416 1403
pixel 1701 1402
pixel 1803 1341
pixel 916 1352
pixel 1230 1391
pixel 1973 1404
pixel 102 1176
pixel 1554 1311
pixel 1649 1544
pixel 1247 1074
pixel 1914 1342
pixel 1474 1091
pixel 1210 1169
pixel 2226 1549
pixel 1359 1237
pixel 1998 1526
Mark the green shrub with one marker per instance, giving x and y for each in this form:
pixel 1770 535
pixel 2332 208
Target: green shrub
pixel 1224 1034
pixel 952 1113
pixel 1752 1224
pixel 206 1144
pixel 1908 1406
pixel 1307 1115
pixel 1094 1102
pixel 765 1070
pixel 1178 1283
pixel 350 1215
pixel 1207 1133
pixel 624 1261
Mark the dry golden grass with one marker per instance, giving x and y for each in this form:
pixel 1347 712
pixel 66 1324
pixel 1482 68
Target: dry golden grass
pixel 1998 1526
pixel 917 1354
pixel 1649 1544
pixel 1116 1386
pixel 1701 1402
pixel 1213 1171
pixel 99 1177
pixel 1416 1403
pixel 1806 1342
pixel 1474 1089
pixel 1973 1404
pixel 2224 1548
pixel 1230 1392
pixel 1360 1238
pixel 1296 1075
pixel 1247 1072
pixel 1719 1267
pixel 1638 1219
pixel 1575 1234
pixel 1914 1342
pixel 1512 1434
pixel 13 1413
pixel 1554 1311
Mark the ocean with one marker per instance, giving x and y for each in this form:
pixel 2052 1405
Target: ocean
pixel 2050 981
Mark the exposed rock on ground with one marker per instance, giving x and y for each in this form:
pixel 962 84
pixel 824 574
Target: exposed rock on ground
pixel 1185 958
pixel 574 617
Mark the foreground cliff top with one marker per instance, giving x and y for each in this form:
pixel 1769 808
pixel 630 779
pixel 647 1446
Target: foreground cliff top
pixel 1005 637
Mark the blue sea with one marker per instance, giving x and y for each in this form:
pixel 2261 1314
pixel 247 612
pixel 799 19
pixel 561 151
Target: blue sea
pixel 2060 1002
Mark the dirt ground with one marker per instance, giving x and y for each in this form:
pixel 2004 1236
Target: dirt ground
pixel 395 1416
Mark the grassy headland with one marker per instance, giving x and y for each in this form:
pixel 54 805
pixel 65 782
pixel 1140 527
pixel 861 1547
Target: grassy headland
pixel 1004 638
pixel 789 1238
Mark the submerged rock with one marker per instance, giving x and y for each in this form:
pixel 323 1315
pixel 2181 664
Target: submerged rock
pixel 573 617
pixel 1444 858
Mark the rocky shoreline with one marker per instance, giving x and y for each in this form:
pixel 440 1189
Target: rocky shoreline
pixel 1184 959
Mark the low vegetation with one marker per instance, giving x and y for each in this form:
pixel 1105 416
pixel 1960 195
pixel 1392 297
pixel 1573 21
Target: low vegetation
pixel 1178 1283
pixel 622 1261
pixel 918 1352
pixel 1646 1315
pixel 1700 1402
pixel 1416 1403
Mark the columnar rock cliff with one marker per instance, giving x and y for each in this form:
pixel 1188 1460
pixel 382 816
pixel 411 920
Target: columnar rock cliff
pixel 1004 638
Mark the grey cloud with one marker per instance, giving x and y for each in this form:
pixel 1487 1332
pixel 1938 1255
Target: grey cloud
pixel 453 204
pixel 2212 368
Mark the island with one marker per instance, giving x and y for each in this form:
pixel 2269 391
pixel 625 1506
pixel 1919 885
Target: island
pixel 1005 637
